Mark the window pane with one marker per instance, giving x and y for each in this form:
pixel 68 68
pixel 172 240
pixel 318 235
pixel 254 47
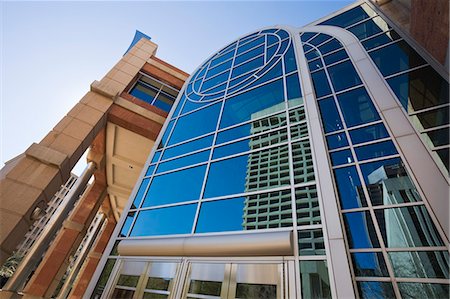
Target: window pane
pixel 294 92
pixel 221 215
pixel 310 242
pixel 315 64
pixel 369 28
pixel 432 118
pixel 343 76
pixel 375 150
pixel 330 116
pixel 258 101
pixel 336 141
pixel 166 134
pixel 357 107
pixel 369 264
pixel 341 157
pixel 438 137
pixel 395 58
pixel 423 290
pixel 165 221
pixel 422 264
pixel 314 279
pixel 420 89
pixel 268 210
pixel 375 290
pixel 320 82
pixel 247 67
pixel 351 193
pixel 188 183
pixel 140 193
pixel 319 39
pixel 445 157
pixel 188 147
pixel 335 57
pixel 360 230
pixel 388 182
pixel 303 164
pixel 350 17
pixel 407 227
pixel 144 92
pixel 380 39
pixel 227 177
pixel 368 133
pixel 127 224
pixel 308 210
pixel 184 161
pixel 330 46
pixel 200 122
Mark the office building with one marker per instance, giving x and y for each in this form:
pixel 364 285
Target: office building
pixel 296 163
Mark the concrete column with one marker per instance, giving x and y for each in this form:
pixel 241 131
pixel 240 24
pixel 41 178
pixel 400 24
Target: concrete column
pixel 54 264
pixel 88 269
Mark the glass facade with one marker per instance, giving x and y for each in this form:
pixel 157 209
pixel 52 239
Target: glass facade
pixel 237 156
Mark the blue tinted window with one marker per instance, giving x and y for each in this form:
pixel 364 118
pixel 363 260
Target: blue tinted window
pixel 156 156
pixel 208 83
pixel 189 106
pixel 200 122
pixel 319 39
pixel 166 134
pixel 349 17
pixel 375 150
pixel 335 57
pixel 219 68
pixel 357 107
pixel 360 230
pixel 175 187
pixel 145 92
pixel 320 82
pixel 251 44
pixel 341 157
pixel 395 58
pixel 332 45
pixel 312 54
pixel 221 215
pixel 222 58
pixel 234 133
pixel 188 147
pixel 184 161
pixel 349 186
pixel 307 35
pixel 369 133
pixel 336 141
pixel 243 107
pixel 380 40
pixel 343 76
pixel 250 54
pixel 227 177
pixel 248 66
pixel 165 221
pixel 150 170
pixel 293 87
pixel 389 165
pixel 233 148
pixel 140 193
pixel 369 264
pixel 375 289
pixel 330 116
pixel 127 224
pixel 315 64
pixel 368 28
pixel 289 60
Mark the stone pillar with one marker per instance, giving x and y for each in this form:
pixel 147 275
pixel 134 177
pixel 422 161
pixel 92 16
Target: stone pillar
pixel 54 264
pixel 89 266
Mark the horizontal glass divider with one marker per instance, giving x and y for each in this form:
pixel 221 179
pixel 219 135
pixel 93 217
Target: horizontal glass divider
pixel 186 141
pixel 380 207
pixel 292 124
pixel 154 291
pixel 337 93
pixel 365 250
pixel 378 159
pixel 407 71
pixel 150 77
pixel 304 138
pixel 319 45
pixel 245 194
pixel 339 149
pixel 434 128
pixel 343 165
pixel 207 91
pixel 244 62
pixel 381 279
pixel 216 75
pixel 423 280
pixel 385 45
pixel 183 203
pixel 185 154
pixel 423 248
pixel 428 109
pixel 124 288
pixel 225 61
pixel 206 104
pixel 372 142
pixel 309 227
pixel 317 70
pixel 304 258
pixel 354 127
pixel 377 34
pixel 258 35
pixel 315 35
pixel 361 21
pixel 251 49
pixel 337 62
pixel 250 136
pixel 436 148
pixel 307 184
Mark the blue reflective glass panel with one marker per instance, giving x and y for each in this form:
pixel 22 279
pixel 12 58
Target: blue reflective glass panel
pixel 175 187
pixel 407 227
pixel 189 106
pixel 368 28
pixel 166 134
pixel 127 224
pixel 227 177
pixel 336 141
pixel 341 157
pixel 289 60
pixel 349 186
pixel 165 221
pixel 248 66
pixel 396 58
pixel 315 64
pixel 360 230
pixel 368 133
pixel 369 264
pixel 319 39
pixel 330 116
pixel 150 170
pixel 380 39
pixel 214 81
pixel 312 54
pixel 248 45
pixel 233 133
pixel 188 147
pixel 375 290
pixel 294 92
pixel 200 122
pixel 335 57
pixel 221 58
pixel 254 103
pixel 343 76
pixel 248 55
pixel 156 156
pixel 145 92
pixel 352 16
pixel 330 46
pixel 233 148
pixel 320 82
pixel 221 216
pixel 422 264
pixel 357 107
pixel 375 150
pixel 307 35
pixel 140 193
pixel 183 161
pixel 219 68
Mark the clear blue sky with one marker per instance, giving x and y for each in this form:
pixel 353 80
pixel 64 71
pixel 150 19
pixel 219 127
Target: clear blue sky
pixel 51 51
